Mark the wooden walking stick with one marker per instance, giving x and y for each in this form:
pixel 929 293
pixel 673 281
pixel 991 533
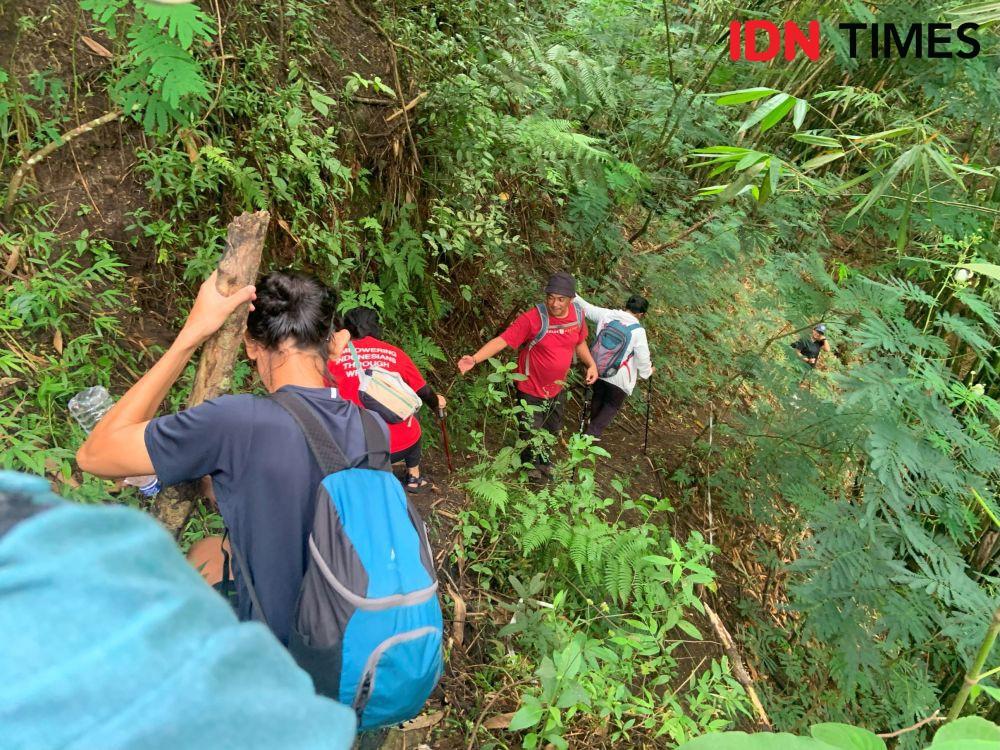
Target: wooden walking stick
pixel 649 399
pixel 239 267
pixel 444 436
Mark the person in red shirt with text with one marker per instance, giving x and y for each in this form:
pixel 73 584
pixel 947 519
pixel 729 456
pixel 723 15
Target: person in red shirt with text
pixel 404 437
pixel 544 361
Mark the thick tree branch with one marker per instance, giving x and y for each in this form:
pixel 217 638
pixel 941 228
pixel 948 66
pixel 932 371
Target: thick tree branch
pixel 239 266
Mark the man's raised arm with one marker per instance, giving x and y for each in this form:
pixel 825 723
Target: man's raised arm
pixel 591 312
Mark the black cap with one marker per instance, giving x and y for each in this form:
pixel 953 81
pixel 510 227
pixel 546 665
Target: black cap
pixel 561 283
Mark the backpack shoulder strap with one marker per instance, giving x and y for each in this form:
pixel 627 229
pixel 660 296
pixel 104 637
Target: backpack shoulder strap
pixel 580 319
pixel 326 452
pixel 375 443
pixel 258 611
pixel 543 314
pixel 629 329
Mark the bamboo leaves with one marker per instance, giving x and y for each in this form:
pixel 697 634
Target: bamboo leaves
pixel 825 158
pixel 928 157
pixel 898 168
pixel 747 165
pixel 912 170
pixel 771 112
pixel 980 13
pixel 799 112
pixel 814 139
pixel 742 96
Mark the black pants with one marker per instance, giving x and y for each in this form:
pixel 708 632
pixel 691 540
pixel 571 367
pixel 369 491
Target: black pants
pixel 409 455
pixel 607 401
pixel 549 417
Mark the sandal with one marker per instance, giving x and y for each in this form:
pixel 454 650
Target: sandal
pixel 416 484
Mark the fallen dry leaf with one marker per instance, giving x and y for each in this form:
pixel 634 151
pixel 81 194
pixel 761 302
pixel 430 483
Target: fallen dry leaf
pixel 12 259
pixel 57 342
pixel 458 626
pixel 187 138
pixel 500 721
pixel 423 721
pixel 284 225
pixel 96 47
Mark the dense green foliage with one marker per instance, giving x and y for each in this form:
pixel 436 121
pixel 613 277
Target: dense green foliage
pixel 856 510
pixel 970 733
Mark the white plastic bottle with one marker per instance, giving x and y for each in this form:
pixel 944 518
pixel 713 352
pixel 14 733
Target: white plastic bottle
pixel 87 407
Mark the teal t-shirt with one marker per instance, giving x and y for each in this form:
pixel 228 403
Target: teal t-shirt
pixel 109 639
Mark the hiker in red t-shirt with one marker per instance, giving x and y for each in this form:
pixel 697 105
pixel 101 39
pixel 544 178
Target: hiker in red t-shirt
pixel 545 362
pixel 404 437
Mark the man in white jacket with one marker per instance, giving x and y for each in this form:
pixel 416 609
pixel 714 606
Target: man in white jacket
pixel 610 392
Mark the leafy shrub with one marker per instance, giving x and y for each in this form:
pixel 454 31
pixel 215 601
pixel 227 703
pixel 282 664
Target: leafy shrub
pixel 159 80
pixel 970 733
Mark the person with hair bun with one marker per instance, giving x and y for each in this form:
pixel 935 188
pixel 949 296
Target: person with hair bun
pixel 366 340
pixel 263 475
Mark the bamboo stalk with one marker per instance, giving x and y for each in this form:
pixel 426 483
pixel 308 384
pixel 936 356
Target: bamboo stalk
pixel 739 671
pixel 975 671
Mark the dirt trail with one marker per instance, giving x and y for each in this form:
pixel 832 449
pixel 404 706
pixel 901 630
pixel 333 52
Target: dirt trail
pixel 93 186
pixel 670 437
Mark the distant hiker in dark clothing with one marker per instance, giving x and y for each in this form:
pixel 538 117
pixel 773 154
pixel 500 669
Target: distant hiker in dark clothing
pixel 548 336
pixel 622 355
pixel 809 349
pixel 366 341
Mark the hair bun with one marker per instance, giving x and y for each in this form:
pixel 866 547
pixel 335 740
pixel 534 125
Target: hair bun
pixel 278 295
pixel 292 305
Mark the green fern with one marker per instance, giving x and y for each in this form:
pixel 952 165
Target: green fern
pixel 161 83
pixel 491 490
pixel 245 180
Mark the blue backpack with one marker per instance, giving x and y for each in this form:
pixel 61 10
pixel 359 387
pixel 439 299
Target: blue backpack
pixel 368 625
pixel 610 346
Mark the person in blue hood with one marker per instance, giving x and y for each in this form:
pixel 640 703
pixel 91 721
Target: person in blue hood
pixel 111 640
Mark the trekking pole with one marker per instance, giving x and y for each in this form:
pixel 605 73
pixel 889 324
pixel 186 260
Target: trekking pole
pixel 588 397
pixel 444 435
pixel 649 400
